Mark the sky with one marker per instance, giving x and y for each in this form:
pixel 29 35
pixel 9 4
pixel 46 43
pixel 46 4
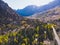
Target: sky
pixel 20 4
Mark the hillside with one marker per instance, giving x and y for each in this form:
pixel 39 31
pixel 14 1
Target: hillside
pixel 49 15
pixel 7 15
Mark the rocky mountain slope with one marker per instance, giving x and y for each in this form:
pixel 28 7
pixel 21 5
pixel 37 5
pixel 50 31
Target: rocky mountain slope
pixel 49 15
pixel 7 15
pixel 9 19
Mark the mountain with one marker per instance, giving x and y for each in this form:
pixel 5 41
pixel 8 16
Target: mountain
pixel 29 10
pixel 32 9
pixel 7 15
pixel 49 15
pixel 9 19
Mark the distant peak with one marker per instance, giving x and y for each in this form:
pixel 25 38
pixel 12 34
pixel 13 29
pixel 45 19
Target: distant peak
pixel 31 6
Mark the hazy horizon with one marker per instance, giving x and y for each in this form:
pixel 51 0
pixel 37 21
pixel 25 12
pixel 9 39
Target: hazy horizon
pixel 20 4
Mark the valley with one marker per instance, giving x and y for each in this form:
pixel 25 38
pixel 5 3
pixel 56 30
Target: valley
pixel 19 30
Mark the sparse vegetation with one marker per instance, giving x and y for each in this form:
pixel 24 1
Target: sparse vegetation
pixel 32 35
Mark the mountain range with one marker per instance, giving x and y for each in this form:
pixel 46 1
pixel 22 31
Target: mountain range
pixel 32 9
pixel 49 15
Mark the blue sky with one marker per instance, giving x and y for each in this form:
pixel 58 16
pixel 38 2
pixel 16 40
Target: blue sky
pixel 20 4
